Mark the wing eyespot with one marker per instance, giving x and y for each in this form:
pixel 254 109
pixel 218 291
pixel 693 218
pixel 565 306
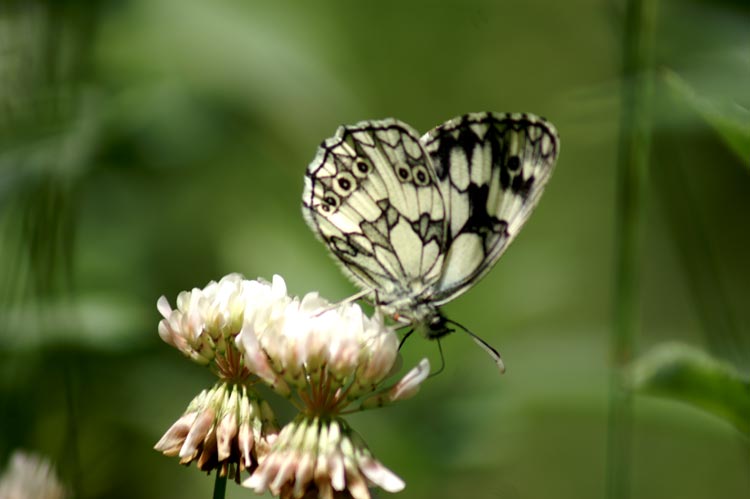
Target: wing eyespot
pixel 344 184
pixel 421 176
pixel 403 173
pixel 330 204
pixel 361 168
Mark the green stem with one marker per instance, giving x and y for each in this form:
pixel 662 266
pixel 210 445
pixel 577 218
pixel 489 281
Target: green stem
pixel 632 163
pixel 220 486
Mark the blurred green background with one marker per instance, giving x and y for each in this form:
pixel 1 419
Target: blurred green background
pixel 149 146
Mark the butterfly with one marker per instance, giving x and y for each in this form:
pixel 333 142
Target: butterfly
pixel 416 221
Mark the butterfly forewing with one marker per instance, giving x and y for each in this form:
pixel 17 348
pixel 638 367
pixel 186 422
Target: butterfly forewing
pixel 371 195
pixel 492 169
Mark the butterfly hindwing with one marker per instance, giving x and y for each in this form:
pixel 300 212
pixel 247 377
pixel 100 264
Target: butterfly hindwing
pixel 492 169
pixel 371 195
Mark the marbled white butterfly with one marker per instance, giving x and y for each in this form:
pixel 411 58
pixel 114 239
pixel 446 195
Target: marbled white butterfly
pixel 414 221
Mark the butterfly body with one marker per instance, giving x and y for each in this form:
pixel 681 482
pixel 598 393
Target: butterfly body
pixel 419 313
pixel 416 221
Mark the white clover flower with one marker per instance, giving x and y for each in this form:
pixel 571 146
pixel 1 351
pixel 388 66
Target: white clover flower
pixel 322 458
pixel 206 321
pixel 328 355
pixel 29 476
pixel 226 428
pixel 329 360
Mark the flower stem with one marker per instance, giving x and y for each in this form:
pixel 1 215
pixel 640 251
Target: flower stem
pixel 220 486
pixel 632 163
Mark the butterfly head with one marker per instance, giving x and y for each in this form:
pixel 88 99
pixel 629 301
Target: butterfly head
pixel 432 325
pixel 437 327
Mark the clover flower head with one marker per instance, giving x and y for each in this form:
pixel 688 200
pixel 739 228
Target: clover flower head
pixel 322 458
pixel 224 428
pixel 228 427
pixel 30 476
pixel 206 321
pixel 329 360
pixel 329 356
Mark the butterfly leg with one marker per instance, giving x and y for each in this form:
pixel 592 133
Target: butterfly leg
pixel 401 343
pixel 442 359
pixel 354 297
pixel 350 299
pixel 440 349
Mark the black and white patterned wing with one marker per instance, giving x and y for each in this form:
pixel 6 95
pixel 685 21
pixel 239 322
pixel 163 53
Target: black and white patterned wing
pixel 492 170
pixel 371 196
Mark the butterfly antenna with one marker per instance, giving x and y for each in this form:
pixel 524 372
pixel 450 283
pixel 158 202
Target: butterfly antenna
pixel 484 345
pixel 442 360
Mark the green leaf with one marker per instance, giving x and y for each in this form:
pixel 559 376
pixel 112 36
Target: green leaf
pixel 729 119
pixel 684 373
